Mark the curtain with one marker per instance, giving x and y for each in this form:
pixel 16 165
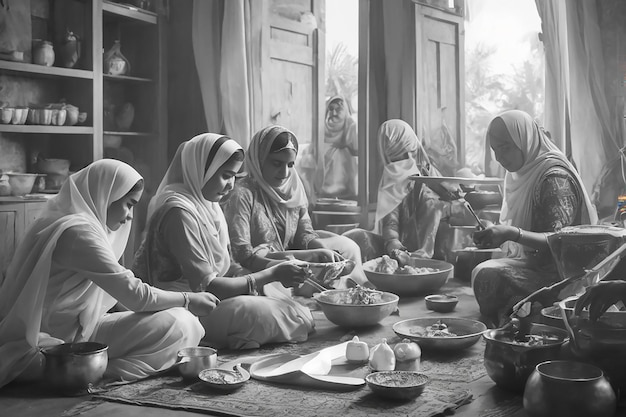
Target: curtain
pixel 576 105
pixel 226 41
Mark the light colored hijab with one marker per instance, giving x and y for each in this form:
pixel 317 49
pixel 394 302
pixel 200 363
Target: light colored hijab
pixel 195 162
pixel 540 155
pixel 337 131
pixel 83 199
pixel 291 194
pixel 395 139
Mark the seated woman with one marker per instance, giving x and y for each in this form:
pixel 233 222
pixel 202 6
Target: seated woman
pixel 267 212
pixel 186 248
pixel 407 215
pixel 542 193
pixel 65 276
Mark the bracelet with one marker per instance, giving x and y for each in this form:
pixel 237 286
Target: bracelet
pixel 520 234
pixel 186 297
pixel 252 289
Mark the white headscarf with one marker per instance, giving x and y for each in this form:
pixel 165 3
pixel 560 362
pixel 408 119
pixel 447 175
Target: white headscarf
pixel 291 194
pixel 195 162
pixel 540 155
pixel 395 138
pixel 336 132
pixel 83 198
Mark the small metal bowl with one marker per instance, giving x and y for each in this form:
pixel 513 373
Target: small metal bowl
pixel 441 303
pixel 397 385
pixel 192 360
pixel 224 379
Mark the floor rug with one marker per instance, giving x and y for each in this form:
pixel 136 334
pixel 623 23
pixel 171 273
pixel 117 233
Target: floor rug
pixel 258 398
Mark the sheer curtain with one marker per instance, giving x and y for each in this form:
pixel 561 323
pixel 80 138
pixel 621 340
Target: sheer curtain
pixel 576 109
pixel 225 41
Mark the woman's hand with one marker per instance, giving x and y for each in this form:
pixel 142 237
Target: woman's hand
pixel 600 297
pixel 289 273
pixel 494 235
pixel 202 303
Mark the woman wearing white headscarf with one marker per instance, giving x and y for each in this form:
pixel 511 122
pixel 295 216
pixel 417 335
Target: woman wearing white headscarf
pixel 338 178
pixel 408 216
pixel 65 276
pixel 186 248
pixel 268 210
pixel 543 193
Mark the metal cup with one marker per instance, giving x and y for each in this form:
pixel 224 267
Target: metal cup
pixel 192 360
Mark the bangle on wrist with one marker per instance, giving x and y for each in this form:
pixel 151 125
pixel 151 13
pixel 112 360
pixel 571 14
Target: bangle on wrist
pixel 520 234
pixel 252 288
pixel 186 297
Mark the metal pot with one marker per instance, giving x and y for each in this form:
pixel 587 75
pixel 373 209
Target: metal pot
pixel 74 368
pixel 568 389
pixel 192 360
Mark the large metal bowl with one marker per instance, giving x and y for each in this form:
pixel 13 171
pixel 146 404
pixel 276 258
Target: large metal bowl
pixel 509 364
pixel 410 285
pixel 74 368
pixel 355 315
pixel 467 332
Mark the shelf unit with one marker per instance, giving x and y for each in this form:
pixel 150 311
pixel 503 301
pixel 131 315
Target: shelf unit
pixel 98 23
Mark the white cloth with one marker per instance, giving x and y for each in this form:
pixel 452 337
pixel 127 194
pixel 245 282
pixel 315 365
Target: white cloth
pixel 183 183
pixel 65 272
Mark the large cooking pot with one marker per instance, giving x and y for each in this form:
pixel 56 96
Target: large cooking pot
pixel 602 343
pixel 74 368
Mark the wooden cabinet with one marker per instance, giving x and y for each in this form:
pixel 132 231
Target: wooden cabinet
pixel 138 135
pixel 15 216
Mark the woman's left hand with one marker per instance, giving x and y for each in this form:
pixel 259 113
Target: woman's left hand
pixel 493 236
pixel 600 297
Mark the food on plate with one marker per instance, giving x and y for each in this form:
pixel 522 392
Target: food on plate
pixel 386 265
pixel 359 295
pixel 437 329
pixel 530 340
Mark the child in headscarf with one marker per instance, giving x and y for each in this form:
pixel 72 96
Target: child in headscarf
pixel 187 249
pixel 268 210
pixel 542 193
pixel 65 277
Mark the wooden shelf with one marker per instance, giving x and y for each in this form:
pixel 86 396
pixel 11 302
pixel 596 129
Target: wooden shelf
pixel 63 130
pixel 43 71
pixel 114 133
pixel 130 12
pixel 123 78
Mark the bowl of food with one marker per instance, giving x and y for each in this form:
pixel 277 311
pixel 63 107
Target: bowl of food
pixel 441 303
pixel 441 333
pixel 397 385
pixel 422 276
pixel 356 307
pixel 22 183
pixel 224 379
pixel 74 368
pixel 511 358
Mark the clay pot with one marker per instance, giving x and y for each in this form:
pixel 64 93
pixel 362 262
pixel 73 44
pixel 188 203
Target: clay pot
pixel 568 389
pixel 69 49
pixel 115 63
pixel 43 53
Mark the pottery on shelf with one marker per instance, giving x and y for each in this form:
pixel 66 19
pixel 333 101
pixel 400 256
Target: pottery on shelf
pixel 115 63
pixel 69 49
pixel 43 53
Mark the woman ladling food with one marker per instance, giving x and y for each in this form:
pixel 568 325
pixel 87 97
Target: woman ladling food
pixel 186 248
pixel 542 193
pixel 65 276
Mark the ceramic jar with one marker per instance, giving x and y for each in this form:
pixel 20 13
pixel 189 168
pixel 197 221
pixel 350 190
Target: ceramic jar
pixel 568 389
pixel 69 49
pixel 115 63
pixel 43 53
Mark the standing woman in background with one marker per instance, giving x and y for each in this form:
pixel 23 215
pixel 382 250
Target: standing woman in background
pixel 65 277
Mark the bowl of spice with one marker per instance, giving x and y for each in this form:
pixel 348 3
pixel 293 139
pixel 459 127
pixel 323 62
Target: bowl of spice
pixel 224 379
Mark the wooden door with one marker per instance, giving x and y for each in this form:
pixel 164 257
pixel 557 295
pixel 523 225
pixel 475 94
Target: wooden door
pixel 439 68
pixel 293 70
